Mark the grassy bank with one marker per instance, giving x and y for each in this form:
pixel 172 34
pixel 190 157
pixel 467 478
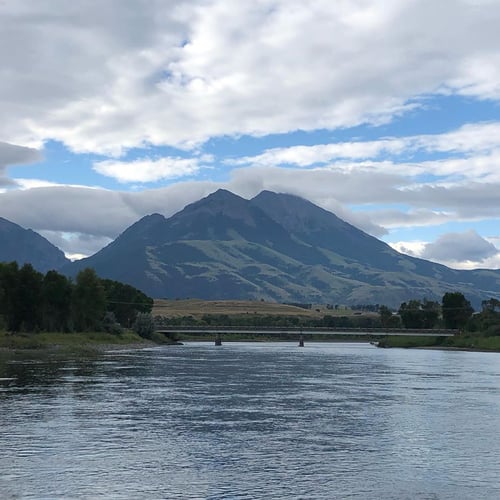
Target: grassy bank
pixel 71 341
pixel 469 342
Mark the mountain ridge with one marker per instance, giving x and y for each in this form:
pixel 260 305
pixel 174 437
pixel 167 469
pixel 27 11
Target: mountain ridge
pixel 27 246
pixel 276 247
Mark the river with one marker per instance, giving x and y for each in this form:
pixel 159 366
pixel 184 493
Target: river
pixel 251 421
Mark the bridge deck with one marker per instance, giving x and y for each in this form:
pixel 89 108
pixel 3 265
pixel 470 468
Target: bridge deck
pixel 310 331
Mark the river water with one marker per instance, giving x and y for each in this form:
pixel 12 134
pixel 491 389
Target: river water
pixel 251 421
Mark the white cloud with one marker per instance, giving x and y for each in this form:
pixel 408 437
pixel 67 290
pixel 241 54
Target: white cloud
pixel 168 73
pixel 304 156
pixel 34 183
pixel 82 220
pixel 469 138
pixel 380 200
pixel 147 73
pixel 459 247
pixel 148 170
pixel 11 154
pixel 465 250
pixel 413 248
pixel 412 218
pixel 480 139
pixel 76 245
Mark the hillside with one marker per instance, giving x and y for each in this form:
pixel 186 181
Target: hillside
pixel 197 308
pixel 26 246
pixel 275 247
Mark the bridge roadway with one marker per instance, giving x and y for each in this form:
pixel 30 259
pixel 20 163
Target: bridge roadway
pixel 301 333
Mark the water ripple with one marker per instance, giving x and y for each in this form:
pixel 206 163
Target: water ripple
pixel 252 421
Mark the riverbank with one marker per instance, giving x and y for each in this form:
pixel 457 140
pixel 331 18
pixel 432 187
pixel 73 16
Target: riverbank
pixel 458 343
pixel 81 341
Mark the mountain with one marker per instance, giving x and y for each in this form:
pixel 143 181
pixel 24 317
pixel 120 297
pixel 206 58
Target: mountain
pixel 26 246
pixel 274 247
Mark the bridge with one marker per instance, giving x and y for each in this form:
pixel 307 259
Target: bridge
pixel 302 333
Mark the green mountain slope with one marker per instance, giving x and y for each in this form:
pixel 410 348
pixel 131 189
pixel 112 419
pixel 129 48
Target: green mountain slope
pixel 274 247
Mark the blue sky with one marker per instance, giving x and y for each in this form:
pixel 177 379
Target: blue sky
pixel 388 115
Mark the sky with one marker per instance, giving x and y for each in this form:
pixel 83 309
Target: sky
pixel 385 113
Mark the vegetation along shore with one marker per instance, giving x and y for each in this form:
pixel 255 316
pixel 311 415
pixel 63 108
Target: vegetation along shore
pixel 50 310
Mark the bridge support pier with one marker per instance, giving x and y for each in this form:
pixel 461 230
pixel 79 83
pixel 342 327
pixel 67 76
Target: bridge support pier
pixel 301 341
pixel 218 339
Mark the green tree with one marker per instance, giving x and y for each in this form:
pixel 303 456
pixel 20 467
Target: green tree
pixel 144 325
pixel 9 283
pixel 57 292
pixel 125 301
pixel 28 299
pixel 419 314
pixel 88 301
pixel 491 305
pixel 385 316
pixel 456 310
pixel 487 322
pixel 411 314
pixel 431 311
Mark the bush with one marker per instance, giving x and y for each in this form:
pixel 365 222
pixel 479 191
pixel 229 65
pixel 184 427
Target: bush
pixel 492 331
pixel 110 325
pixel 144 325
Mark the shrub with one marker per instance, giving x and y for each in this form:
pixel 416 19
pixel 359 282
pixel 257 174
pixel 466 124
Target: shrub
pixel 110 325
pixel 144 325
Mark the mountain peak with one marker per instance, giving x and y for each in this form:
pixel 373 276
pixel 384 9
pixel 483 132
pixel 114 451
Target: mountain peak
pixel 293 211
pixel 222 194
pixel 276 246
pixel 221 202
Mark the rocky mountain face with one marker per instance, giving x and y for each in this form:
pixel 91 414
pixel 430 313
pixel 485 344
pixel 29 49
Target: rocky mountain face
pixel 26 246
pixel 274 247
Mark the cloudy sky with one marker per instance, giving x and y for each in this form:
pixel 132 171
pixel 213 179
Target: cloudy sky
pixel 386 113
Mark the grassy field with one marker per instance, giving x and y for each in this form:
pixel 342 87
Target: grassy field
pixel 197 308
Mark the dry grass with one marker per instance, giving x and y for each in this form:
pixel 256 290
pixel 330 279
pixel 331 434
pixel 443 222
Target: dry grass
pixel 197 308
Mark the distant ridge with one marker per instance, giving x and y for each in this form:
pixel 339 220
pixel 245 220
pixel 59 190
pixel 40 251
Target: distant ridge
pixel 275 247
pixel 27 246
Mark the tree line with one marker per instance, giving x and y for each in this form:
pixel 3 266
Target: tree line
pixel 31 301
pixel 453 312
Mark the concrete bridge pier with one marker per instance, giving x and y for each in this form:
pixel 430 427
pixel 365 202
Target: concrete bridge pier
pixel 218 339
pixel 301 341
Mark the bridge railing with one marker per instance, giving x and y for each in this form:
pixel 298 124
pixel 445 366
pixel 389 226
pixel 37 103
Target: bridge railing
pixel 307 330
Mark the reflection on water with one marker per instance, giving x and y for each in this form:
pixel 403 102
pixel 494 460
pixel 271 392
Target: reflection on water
pixel 247 421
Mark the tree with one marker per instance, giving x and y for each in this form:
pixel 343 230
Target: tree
pixel 419 314
pixel 125 301
pixel 9 284
pixel 487 322
pixel 431 311
pixel 56 302
pixel 385 316
pixel 88 301
pixel 411 314
pixel 28 300
pixel 144 325
pixel 456 310
pixel 491 305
